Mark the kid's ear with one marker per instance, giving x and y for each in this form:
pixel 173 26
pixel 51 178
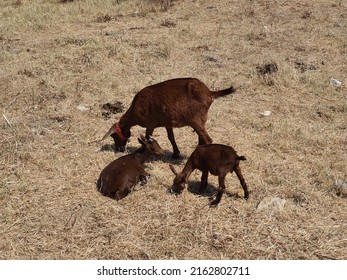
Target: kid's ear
pixel 173 169
pixel 143 138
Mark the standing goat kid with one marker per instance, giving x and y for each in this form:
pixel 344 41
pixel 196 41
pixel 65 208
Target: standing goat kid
pixel 217 159
pixel 173 103
pixel 117 179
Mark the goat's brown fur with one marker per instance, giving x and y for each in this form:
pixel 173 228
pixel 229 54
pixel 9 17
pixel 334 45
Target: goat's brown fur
pixel 169 104
pixel 117 179
pixel 217 159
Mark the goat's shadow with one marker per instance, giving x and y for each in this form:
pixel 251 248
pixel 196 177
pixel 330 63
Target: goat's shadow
pixel 194 188
pixel 166 157
pixel 107 148
pixel 210 191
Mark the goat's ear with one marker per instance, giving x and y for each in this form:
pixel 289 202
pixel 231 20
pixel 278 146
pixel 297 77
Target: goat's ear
pixel 140 141
pixel 173 169
pixel 143 138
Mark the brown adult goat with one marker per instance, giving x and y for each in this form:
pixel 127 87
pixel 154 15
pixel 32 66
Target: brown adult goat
pixel 169 104
pixel 217 159
pixel 117 178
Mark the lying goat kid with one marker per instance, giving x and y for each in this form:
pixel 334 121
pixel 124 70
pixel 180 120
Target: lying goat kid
pixel 118 178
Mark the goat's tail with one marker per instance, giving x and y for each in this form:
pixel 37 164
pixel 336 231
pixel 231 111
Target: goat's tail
pixel 241 158
pixel 223 92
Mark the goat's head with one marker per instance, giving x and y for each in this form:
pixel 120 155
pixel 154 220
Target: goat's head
pixel 151 145
pixel 179 181
pixel 119 139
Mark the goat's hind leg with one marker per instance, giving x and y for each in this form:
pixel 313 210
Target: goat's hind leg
pixel 119 194
pixel 144 178
pixel 221 182
pixel 171 136
pixel 242 181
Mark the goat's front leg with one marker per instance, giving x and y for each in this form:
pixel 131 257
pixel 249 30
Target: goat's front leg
pixel 242 181
pixel 171 136
pixel 149 132
pixel 203 184
pixel 221 182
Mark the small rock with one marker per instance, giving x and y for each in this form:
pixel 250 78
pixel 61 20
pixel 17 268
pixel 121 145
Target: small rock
pixel 83 108
pixel 342 186
pixel 335 82
pixel 266 113
pixel 272 204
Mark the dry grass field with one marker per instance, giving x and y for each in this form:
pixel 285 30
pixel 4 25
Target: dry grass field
pixel 60 61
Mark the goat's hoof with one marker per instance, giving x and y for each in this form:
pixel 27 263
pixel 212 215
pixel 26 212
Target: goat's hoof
pixel 214 203
pixel 171 191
